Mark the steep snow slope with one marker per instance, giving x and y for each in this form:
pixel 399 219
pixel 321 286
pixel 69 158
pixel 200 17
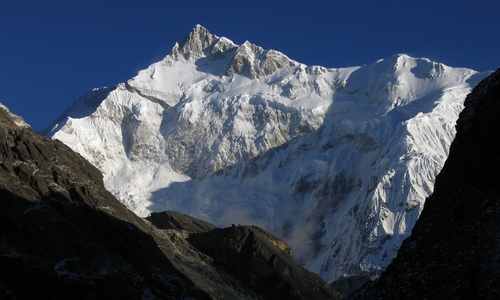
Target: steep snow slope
pixel 453 249
pixel 336 161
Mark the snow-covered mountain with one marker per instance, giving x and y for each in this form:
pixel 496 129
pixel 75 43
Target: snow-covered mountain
pixel 336 161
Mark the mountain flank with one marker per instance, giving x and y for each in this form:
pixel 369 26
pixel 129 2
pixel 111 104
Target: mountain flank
pixel 453 251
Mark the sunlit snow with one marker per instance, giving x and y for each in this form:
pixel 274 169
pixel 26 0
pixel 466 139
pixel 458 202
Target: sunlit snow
pixel 336 161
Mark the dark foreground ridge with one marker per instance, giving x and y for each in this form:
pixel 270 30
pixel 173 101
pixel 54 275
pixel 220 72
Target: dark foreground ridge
pixel 453 251
pixel 63 236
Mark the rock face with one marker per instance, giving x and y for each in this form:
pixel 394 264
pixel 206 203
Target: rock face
pixel 63 236
pixel 453 251
pixel 251 262
pixel 177 221
pixel 253 256
pixel 338 162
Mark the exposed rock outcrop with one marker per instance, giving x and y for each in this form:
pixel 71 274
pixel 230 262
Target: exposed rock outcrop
pixel 200 43
pixel 248 59
pixel 263 262
pixel 178 221
pixel 239 262
pixel 254 62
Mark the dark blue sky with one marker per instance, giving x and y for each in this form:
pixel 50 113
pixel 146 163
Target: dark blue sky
pixel 51 52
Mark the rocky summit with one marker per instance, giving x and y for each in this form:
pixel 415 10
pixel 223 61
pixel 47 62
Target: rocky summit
pixel 64 236
pixel 453 251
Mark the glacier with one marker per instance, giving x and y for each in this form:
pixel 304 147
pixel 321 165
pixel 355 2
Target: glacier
pixel 337 161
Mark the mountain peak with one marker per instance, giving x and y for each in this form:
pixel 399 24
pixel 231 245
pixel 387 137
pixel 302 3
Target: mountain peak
pixel 217 127
pixel 193 45
pixel 199 43
pixel 254 62
pixel 248 59
pixel 199 31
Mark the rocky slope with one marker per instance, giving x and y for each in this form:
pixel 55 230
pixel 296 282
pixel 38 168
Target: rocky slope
pixel 336 161
pixel 247 262
pixel 453 251
pixel 63 236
